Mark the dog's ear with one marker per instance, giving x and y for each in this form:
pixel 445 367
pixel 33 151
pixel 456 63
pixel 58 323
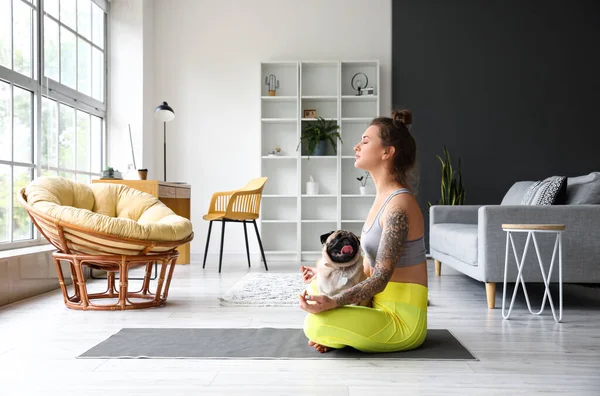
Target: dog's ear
pixel 325 236
pixel 356 238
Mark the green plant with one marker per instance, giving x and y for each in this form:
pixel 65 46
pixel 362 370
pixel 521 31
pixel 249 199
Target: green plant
pixel 452 189
pixel 316 131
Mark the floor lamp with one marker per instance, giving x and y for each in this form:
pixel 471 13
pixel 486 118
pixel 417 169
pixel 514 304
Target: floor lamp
pixel 164 113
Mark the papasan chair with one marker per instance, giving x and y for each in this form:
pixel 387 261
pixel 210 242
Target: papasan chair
pixel 108 227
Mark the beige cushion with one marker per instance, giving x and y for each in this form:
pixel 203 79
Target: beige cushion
pixel 113 209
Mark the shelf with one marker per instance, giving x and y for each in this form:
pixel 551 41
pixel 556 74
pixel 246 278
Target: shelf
pixel 319 97
pixel 291 220
pixel 314 119
pixel 365 98
pixel 279 98
pixel 357 119
pixel 278 120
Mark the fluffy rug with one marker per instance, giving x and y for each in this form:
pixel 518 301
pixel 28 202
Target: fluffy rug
pixel 265 290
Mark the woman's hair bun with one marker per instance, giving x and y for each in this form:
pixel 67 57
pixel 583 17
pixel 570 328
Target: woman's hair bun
pixel 403 117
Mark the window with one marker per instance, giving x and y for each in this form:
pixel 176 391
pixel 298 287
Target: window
pixel 52 100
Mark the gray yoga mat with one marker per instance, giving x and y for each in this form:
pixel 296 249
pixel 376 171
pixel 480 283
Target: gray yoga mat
pixel 245 343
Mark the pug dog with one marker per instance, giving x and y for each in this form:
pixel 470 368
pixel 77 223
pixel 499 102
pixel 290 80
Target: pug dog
pixel 341 264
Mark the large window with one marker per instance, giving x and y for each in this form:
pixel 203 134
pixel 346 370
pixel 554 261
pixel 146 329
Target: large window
pixel 52 100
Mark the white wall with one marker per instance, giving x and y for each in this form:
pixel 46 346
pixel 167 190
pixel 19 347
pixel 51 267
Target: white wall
pixel 207 56
pixel 131 84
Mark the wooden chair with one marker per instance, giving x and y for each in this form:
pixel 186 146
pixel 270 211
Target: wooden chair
pixel 83 247
pixel 240 206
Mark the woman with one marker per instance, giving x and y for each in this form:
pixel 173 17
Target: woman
pixel 394 256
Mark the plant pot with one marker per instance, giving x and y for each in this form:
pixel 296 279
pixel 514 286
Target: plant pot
pixel 143 174
pixel 363 190
pixel 321 148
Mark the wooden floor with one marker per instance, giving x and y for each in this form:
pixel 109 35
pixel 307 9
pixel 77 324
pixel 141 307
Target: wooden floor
pixel 40 338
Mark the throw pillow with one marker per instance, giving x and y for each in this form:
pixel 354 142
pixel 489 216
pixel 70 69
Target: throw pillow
pixel 584 190
pixel 515 194
pixel 550 191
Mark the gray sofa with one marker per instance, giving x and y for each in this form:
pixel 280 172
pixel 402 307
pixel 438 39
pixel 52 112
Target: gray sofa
pixel 470 239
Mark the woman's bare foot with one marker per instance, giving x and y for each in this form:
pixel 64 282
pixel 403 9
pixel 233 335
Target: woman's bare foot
pixel 318 347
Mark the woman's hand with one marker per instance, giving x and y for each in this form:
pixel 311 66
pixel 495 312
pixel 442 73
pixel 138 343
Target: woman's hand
pixel 318 303
pixel 308 273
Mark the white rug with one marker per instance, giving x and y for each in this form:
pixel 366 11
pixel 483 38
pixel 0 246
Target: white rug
pixel 265 290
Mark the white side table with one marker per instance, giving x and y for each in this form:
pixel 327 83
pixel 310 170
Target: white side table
pixel 531 230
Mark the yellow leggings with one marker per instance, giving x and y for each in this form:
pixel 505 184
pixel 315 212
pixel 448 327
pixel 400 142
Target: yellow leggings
pixel 397 321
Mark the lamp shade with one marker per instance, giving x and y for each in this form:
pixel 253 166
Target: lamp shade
pixel 164 112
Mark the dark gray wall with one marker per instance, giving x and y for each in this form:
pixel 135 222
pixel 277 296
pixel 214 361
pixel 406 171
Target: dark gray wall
pixel 512 87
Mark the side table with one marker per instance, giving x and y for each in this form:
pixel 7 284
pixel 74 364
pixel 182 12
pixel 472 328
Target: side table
pixel 531 230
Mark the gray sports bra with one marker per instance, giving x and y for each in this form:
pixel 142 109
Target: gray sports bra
pixel 414 251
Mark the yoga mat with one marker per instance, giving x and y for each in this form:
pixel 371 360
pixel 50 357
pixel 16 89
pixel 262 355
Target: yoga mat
pixel 261 343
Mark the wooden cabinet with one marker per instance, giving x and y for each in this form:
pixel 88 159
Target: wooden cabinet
pixel 176 196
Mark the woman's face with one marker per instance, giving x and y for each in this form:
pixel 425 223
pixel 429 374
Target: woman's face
pixel 369 151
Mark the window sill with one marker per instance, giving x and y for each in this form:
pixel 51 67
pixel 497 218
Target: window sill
pixel 26 251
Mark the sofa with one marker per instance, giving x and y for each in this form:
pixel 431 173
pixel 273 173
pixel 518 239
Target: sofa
pixel 470 238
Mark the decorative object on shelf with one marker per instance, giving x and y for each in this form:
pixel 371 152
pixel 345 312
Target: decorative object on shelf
pixel 316 134
pixel 131 146
pixel 164 113
pixel 110 173
pixel 310 113
pixel 312 187
pixel 359 84
pixel 273 83
pixel 143 174
pixel 275 153
pixel 452 189
pixel 367 91
pixel 131 173
pixel 363 183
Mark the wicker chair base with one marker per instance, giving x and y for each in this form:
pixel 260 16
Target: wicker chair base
pixel 112 264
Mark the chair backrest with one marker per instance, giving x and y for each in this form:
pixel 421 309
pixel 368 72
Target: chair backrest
pixel 247 199
pixel 255 185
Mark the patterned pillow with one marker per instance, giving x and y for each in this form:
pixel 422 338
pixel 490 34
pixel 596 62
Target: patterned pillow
pixel 550 191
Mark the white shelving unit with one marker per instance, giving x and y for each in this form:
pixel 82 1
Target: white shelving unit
pixel 292 221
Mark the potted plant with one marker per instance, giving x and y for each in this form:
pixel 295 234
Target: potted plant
pixel 110 173
pixel 316 134
pixel 363 183
pixel 452 189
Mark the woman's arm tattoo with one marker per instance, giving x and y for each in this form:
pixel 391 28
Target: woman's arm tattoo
pixel 389 252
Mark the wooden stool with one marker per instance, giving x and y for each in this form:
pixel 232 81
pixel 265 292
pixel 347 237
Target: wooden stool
pixel 531 230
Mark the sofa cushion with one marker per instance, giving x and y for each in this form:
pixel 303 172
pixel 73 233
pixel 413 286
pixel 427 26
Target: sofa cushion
pixel 550 191
pixel 584 190
pixel 515 194
pixel 456 240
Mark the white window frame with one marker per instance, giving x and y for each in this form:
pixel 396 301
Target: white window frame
pixel 43 86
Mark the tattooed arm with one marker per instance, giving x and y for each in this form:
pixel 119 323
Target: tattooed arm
pixel 391 246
